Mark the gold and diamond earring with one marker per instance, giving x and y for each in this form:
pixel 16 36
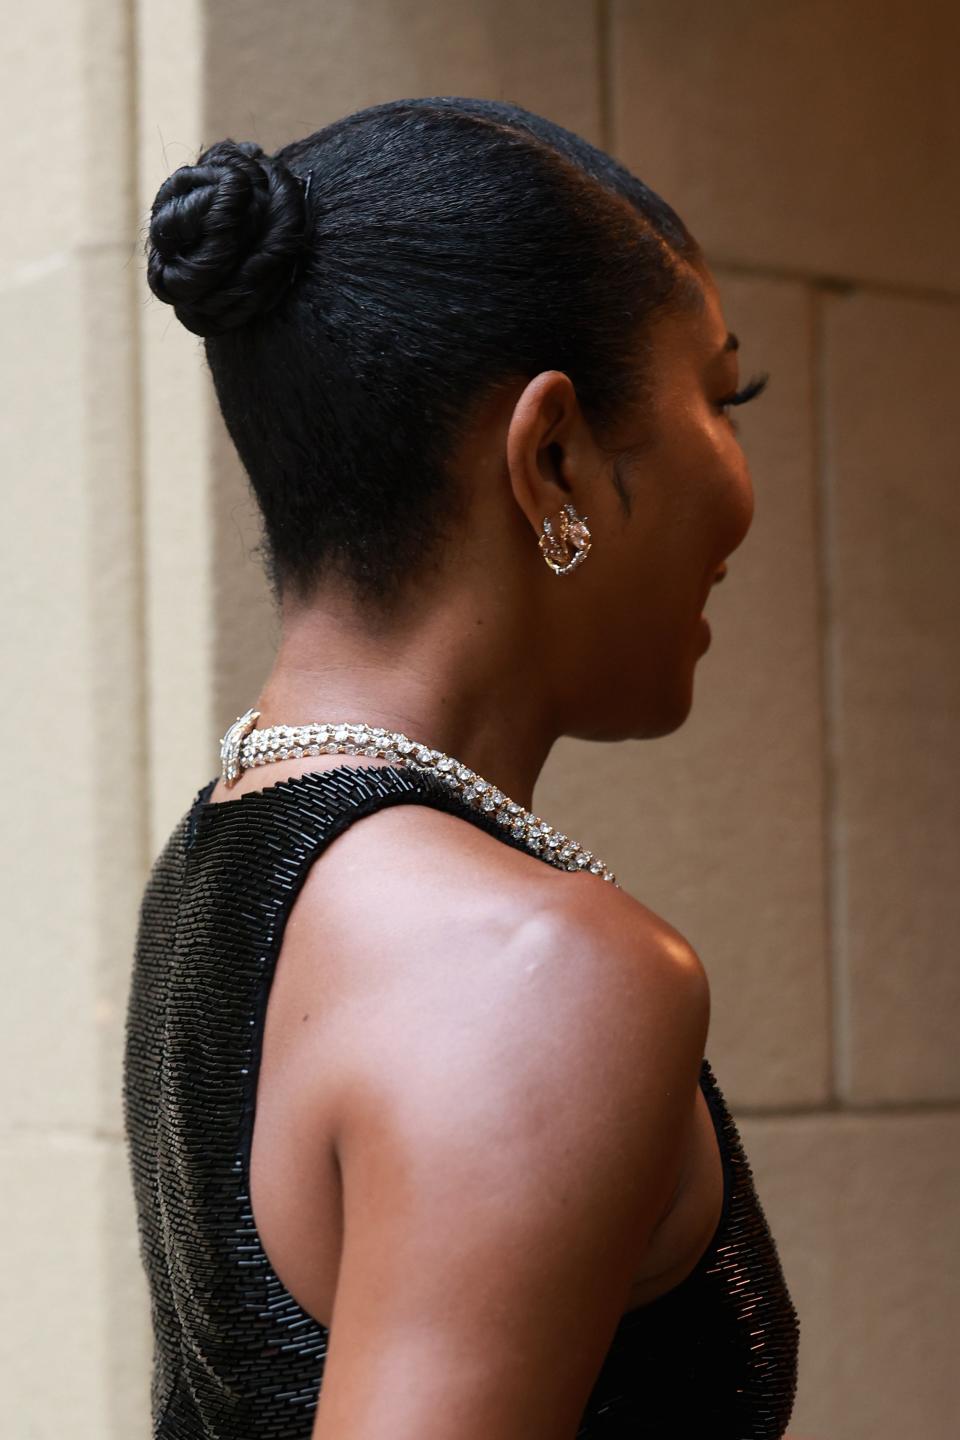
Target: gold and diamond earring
pixel 563 552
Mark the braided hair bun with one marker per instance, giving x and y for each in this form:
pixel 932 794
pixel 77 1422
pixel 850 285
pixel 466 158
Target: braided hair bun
pixel 226 234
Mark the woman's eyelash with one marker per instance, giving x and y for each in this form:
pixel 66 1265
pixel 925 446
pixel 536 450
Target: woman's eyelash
pixel 750 390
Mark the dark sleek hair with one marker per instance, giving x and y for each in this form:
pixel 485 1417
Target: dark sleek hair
pixel 364 288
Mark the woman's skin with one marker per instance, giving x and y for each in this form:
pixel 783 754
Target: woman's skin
pixel 431 977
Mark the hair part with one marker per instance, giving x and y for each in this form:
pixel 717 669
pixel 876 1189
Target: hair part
pixel 445 246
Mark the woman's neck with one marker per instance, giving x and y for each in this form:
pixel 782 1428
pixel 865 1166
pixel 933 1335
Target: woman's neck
pixel 445 683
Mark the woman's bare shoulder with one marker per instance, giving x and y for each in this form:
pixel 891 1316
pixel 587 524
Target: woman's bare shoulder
pixel 428 867
pixel 418 909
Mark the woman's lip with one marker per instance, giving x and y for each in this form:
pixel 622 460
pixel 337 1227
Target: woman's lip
pixel 719 574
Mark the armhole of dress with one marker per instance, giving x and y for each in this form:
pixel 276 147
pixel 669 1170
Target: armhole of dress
pixel 708 1084
pixel 714 1104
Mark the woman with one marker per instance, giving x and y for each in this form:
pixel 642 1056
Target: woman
pixel 423 1138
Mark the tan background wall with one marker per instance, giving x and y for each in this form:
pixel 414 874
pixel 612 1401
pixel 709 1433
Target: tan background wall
pixel 800 829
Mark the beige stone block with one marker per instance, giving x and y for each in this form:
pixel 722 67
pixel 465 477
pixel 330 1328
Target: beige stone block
pixel 816 138
pixel 718 827
pixel 275 83
pixel 70 657
pixel 891 375
pixel 170 57
pixel 75 1314
pixel 65 80
pixel 180 420
pixel 864 1209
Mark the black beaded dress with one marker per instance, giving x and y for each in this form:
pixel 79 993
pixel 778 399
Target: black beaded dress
pixel 235 1357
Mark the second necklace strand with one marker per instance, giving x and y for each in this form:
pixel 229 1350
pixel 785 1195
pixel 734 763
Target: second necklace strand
pixel 244 746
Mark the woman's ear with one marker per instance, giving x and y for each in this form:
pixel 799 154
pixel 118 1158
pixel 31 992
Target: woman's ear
pixel 543 446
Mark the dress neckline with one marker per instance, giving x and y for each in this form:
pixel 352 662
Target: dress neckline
pixel 315 782
pixel 292 783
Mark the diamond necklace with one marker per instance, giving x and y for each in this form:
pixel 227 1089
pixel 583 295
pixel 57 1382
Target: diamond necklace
pixel 244 746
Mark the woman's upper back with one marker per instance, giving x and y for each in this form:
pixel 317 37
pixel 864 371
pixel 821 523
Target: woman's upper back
pixel 236 1352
